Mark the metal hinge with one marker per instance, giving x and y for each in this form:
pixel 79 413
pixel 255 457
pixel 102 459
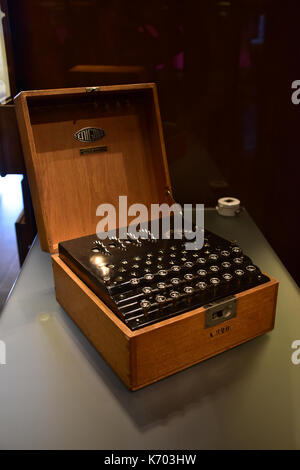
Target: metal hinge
pixel 220 311
pixel 91 89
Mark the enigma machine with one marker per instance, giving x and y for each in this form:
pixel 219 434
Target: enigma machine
pixel 149 306
pixel 148 280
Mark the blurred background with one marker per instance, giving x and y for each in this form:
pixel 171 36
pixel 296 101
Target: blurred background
pixel 224 71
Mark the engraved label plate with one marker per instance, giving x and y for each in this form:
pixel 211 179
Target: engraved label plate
pixel 103 148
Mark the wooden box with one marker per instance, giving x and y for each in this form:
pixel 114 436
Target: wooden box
pixel 67 186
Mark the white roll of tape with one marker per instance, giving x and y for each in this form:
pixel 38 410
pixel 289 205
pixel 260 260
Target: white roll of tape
pixel 228 206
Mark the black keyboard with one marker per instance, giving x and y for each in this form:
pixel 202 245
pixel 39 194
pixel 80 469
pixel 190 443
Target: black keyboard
pixel 148 280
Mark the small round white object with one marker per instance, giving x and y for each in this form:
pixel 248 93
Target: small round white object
pixel 228 206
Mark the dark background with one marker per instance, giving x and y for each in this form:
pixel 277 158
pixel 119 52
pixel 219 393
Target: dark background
pixel 224 71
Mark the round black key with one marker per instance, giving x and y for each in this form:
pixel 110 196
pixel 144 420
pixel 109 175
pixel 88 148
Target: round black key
pixel 227 276
pixel 236 250
pixel 175 281
pixel 163 272
pixel 147 290
pixel 239 272
pixel 175 268
pixel 188 276
pixel 201 285
pixel 201 260
pixel 124 261
pixel 174 294
pixel 149 277
pixel 148 262
pixel 238 260
pixel 215 281
pixel 226 264
pixel 188 264
pixel 188 290
pixel 251 268
pixel 160 299
pixel 145 304
pixel 162 285
pixel 225 253
pixel 202 272
pixel 135 266
pixel 214 269
pixel 213 257
pixel 134 281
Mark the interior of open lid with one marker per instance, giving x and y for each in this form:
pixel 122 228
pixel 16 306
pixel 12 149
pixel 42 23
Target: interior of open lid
pixel 68 181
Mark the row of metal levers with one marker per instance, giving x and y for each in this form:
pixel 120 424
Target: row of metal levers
pixel 149 280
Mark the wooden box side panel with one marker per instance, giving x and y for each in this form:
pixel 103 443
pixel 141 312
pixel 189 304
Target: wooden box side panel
pixel 93 318
pixel 184 341
pixel 28 149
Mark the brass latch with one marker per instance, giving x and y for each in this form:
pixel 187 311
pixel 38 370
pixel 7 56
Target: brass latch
pixel 220 311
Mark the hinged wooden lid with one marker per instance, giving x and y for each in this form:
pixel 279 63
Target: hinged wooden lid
pixel 68 184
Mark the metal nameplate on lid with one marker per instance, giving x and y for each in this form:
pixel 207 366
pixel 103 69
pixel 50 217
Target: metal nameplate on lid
pixel 89 134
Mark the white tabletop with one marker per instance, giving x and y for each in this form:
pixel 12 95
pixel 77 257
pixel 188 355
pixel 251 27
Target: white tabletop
pixel 56 391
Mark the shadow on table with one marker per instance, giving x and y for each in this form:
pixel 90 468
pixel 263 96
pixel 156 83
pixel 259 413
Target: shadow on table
pixel 177 394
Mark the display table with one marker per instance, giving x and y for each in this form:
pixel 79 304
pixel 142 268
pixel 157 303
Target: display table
pixel 56 391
